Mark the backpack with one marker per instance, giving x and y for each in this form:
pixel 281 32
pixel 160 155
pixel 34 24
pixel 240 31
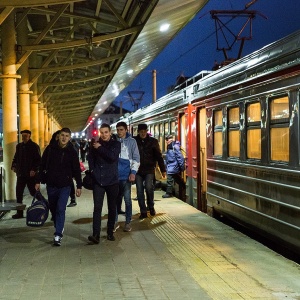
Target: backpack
pixel 38 211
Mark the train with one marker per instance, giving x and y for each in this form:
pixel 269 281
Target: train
pixel 239 126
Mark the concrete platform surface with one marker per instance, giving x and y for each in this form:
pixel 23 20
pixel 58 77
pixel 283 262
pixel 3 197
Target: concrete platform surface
pixel 180 253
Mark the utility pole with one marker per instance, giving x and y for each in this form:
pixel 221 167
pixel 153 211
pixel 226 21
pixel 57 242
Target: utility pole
pixel 154 86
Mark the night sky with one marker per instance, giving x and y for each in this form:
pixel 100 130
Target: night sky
pixel 195 47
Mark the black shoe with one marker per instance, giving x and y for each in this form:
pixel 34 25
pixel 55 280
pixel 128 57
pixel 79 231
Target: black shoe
pixel 18 215
pixel 167 196
pixel 143 216
pixel 72 204
pixel 110 237
pixel 152 212
pixel 121 212
pixel 136 198
pixel 94 239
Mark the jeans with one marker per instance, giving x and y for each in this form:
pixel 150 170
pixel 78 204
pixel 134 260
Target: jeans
pixel 148 179
pixel 98 195
pixel 58 199
pixel 22 181
pixel 125 190
pixel 170 184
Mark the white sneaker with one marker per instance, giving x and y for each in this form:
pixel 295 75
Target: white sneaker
pixel 57 240
pixel 127 227
pixel 116 227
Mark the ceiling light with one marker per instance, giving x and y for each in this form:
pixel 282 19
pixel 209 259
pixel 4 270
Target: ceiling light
pixel 129 72
pixel 164 27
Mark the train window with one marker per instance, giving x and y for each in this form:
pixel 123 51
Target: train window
pixel 234 116
pixel 253 130
pixel 173 127
pixel 218 118
pixel 280 108
pixel 156 130
pixel 254 143
pixel 279 128
pixel 234 132
pixel 166 131
pixel 218 143
pixel 280 144
pixel 218 136
pixel 234 143
pixel 160 138
pixel 253 112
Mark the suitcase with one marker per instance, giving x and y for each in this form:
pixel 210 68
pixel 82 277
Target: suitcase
pixel 38 211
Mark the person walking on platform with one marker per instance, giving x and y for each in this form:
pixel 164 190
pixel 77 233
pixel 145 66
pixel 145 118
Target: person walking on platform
pixel 129 161
pixel 175 165
pixel 72 193
pixel 150 154
pixel 25 164
pixel 83 149
pixel 103 165
pixel 60 164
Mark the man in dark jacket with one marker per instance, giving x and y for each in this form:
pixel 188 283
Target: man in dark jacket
pixel 103 164
pixel 26 164
pixel 60 164
pixel 150 155
pixel 175 165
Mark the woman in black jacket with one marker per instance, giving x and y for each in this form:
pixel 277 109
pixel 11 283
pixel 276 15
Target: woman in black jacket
pixel 103 164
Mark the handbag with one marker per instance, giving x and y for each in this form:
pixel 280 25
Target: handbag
pixel 88 181
pixel 38 211
pixel 158 174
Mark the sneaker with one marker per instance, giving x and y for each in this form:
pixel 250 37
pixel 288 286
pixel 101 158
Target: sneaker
pixel 110 237
pixel 127 228
pixel 57 240
pixel 143 216
pixel 72 204
pixel 116 227
pixel 167 196
pixel 152 212
pixel 94 239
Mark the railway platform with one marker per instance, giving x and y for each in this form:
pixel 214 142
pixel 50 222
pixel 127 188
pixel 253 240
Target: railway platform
pixel 180 253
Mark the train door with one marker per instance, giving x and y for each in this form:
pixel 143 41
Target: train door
pixel 191 153
pixel 202 204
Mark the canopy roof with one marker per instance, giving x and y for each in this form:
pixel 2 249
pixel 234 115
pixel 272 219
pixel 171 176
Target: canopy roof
pixel 80 53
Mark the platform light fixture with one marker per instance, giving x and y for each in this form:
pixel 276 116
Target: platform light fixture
pixel 164 27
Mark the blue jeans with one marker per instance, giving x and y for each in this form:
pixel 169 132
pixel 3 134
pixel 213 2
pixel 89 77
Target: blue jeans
pixel 58 199
pixel 98 195
pixel 149 187
pixel 125 191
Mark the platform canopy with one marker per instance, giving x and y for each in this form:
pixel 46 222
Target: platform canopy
pixel 83 53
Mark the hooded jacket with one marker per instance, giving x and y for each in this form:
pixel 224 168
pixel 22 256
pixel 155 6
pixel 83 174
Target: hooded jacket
pixel 129 158
pixel 61 164
pixel 103 162
pixel 174 159
pixel 150 153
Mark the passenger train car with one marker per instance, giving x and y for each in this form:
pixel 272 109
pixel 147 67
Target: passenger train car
pixel 239 126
